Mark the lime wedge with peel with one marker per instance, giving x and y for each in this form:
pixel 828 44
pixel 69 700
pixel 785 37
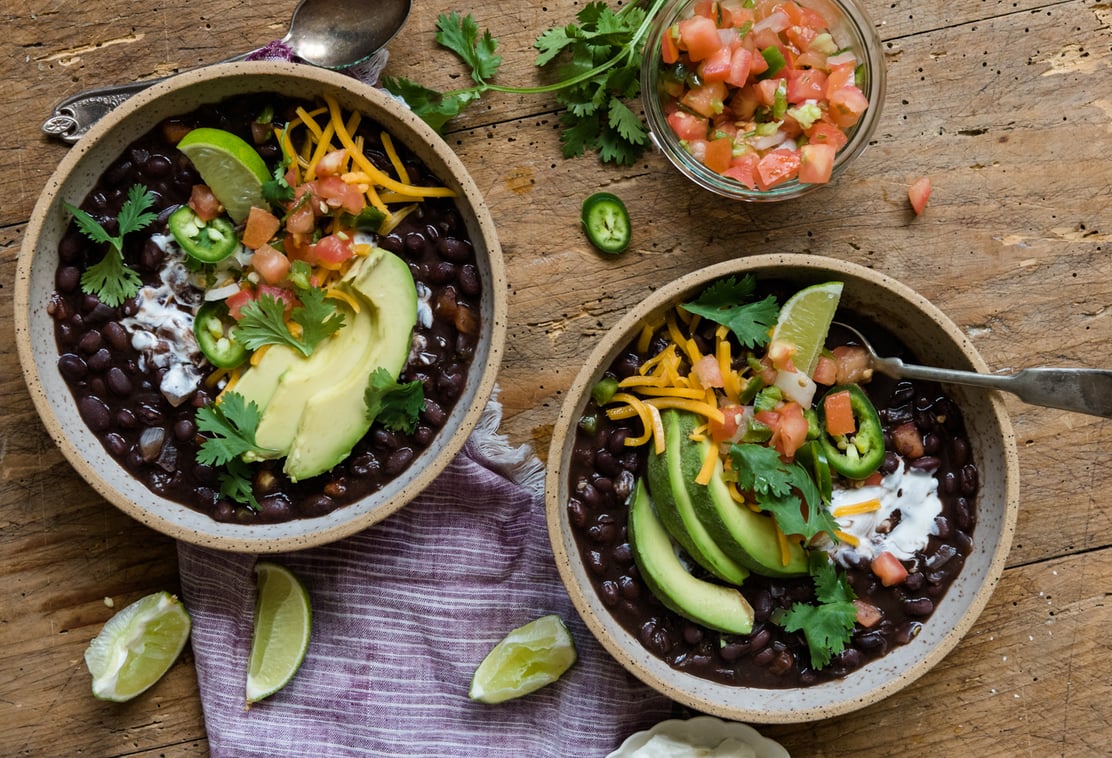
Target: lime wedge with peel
pixel 529 658
pixel 804 322
pixel 137 646
pixel 283 620
pixel 232 169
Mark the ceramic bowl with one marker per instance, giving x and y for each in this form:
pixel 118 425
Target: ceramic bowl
pixel 39 257
pixel 935 340
pixel 852 31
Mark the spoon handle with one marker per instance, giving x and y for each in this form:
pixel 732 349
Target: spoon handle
pixel 1083 390
pixel 76 114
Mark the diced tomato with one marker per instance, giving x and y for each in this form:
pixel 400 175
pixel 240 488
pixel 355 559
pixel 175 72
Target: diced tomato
pixel 272 264
pixel 780 353
pixel 302 219
pixel 918 193
pixel 826 371
pixel 826 133
pixel 741 61
pixel 687 126
pixel 333 249
pixel 706 100
pixel 707 372
pixel 727 429
pixel 838 77
pixel 743 169
pixel 766 91
pixel 816 163
pixel 332 163
pixel 204 203
pixel 282 294
pixel 777 167
pixel 854 364
pixel 908 440
pixel 805 84
pixel 699 37
pixel 236 302
pixel 868 615
pixel 846 105
pixel 669 51
pixel 793 429
pixel 888 569
pixel 260 228
pixel 716 66
pixel 837 408
pixel 800 36
pixel 336 193
pixel 719 154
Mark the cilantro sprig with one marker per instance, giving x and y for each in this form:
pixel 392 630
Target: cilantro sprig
pixel 784 489
pixel 232 424
pixel 727 302
pixel 598 61
pixel 263 321
pixel 112 280
pixel 396 405
pixel 827 626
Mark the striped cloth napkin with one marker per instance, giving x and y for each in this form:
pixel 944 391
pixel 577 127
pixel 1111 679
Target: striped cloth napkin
pixel 402 615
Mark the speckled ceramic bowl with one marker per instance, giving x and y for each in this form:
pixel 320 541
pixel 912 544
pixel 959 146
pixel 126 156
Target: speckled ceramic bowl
pixel 35 282
pixel 932 337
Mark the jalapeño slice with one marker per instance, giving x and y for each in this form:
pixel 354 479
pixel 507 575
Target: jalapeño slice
pixel 606 221
pixel 858 454
pixel 215 331
pixel 206 241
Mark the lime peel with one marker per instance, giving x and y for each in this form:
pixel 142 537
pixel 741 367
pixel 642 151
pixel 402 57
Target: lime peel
pixel 528 658
pixel 805 321
pixel 283 625
pixel 137 646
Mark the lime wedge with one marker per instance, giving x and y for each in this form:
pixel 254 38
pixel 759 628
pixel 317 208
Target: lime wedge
pixel 232 169
pixel 283 621
pixel 805 320
pixel 530 657
pixel 137 646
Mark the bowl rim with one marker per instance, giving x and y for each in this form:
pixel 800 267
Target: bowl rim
pixel 180 521
pixel 753 704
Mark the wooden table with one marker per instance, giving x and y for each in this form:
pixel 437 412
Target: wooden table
pixel 1007 106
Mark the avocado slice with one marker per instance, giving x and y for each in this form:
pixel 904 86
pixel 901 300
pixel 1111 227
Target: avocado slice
pixel 313 409
pixel 335 418
pixel 746 536
pixel 712 605
pixel 668 474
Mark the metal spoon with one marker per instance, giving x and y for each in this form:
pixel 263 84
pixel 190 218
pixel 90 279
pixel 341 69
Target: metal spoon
pixel 1084 390
pixel 333 34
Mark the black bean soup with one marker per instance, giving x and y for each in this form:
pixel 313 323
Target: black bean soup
pixel 158 441
pixel 602 474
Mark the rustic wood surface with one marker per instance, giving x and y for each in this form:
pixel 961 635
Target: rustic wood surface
pixel 1005 104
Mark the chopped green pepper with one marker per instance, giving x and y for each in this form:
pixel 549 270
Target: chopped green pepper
pixel 775 60
pixel 214 328
pixel 858 454
pixel 206 241
pixel 812 456
pixel 604 389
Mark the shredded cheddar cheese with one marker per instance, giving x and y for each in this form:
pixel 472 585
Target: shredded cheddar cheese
pixel 856 509
pixel 710 463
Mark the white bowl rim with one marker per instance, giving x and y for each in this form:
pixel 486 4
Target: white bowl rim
pixel 180 521
pixel 752 704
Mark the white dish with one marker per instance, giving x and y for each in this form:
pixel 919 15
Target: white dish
pixel 701 732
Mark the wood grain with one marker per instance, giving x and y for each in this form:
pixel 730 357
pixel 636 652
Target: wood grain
pixel 1007 107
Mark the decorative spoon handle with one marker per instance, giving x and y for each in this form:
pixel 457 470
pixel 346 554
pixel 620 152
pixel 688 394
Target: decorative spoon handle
pixel 76 114
pixel 1083 390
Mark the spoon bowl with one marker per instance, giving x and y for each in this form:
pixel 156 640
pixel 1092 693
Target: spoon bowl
pixel 335 34
pixel 1083 390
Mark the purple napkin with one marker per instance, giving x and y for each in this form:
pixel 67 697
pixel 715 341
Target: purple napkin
pixel 402 615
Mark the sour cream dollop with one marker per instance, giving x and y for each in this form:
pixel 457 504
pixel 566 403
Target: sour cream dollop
pixel 905 520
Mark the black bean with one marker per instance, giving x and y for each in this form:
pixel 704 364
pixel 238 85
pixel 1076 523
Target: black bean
pixel 918 606
pixel 655 637
pixel 442 272
pixel 184 429
pixel 631 590
pixel 90 342
pixel 692 634
pixel 907 632
pixel 959 449
pixel 391 243
pixel 453 249
pixel 95 412
pixel 606 463
pixel 948 484
pixel 450 382
pixel 596 562
pixel 963 514
pixel 116 336
pixel 969 480
pixel 399 460
pixel 72 367
pixel 609 592
pixel 470 283
pixel 783 663
pixel 604 530
pixel 622 554
pixel 764 657
pixel 100 360
pixel 364 465
pixel 118 382
pixel 116 444
pixel 577 513
pixel 67 279
pixel 434 413
pixel 317 505
pixel 125 419
pixel 604 484
pixel 157 167
pixel 932 443
pixel 275 507
pixel 903 392
pixel 926 463
pixel 590 496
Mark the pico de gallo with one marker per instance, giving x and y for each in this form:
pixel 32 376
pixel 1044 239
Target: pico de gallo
pixel 760 92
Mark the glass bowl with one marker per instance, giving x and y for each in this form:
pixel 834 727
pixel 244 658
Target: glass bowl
pixel 850 31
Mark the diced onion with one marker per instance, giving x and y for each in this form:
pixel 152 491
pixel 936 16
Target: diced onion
pixel 846 56
pixel 796 386
pixel 222 293
pixel 777 21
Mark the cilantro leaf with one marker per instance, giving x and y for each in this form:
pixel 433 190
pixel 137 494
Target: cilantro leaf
pixel 276 190
pixel 783 489
pixel 724 302
pixel 236 483
pixel 318 319
pixel 395 405
pixel 461 36
pixel 232 422
pixel 110 279
pixel 828 626
pixel 263 321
